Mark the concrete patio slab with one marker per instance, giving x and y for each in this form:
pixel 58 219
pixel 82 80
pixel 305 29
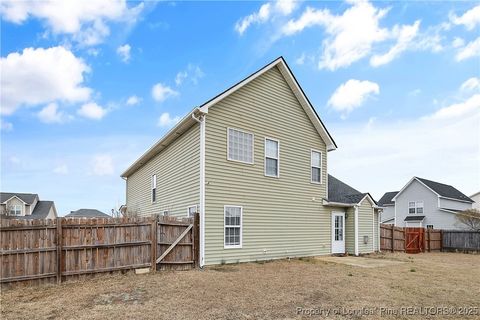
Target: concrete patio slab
pixel 360 261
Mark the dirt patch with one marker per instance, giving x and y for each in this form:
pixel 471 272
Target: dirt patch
pixel 362 262
pixel 261 291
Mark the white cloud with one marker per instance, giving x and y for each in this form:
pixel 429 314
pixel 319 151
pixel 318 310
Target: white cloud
pixel 458 42
pixel 124 52
pixel 469 19
pixel 61 169
pixel 471 84
pixel 351 34
pixel 40 76
pixel 5 126
pixel 51 114
pixel 85 21
pixel 472 49
pixel 166 121
pixel 102 165
pixel 415 92
pixel 161 92
pixel 267 11
pixel 300 60
pixel 405 35
pixel 351 95
pixel 192 72
pixel 461 109
pixel 133 100
pixel 92 110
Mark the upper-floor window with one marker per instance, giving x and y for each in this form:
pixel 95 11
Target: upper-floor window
pixel 316 165
pixel 16 210
pixel 415 207
pixel 240 146
pixel 272 154
pixel 154 188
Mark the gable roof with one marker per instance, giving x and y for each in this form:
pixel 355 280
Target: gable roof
pixel 386 199
pixel 28 198
pixel 87 213
pixel 41 211
pixel 341 192
pixel 440 189
pixel 186 122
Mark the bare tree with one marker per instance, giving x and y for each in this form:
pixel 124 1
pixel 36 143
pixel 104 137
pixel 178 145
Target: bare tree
pixel 470 218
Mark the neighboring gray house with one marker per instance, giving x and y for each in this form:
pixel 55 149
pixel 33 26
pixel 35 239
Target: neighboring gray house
pixel 26 206
pixel 476 197
pixel 87 213
pixel 253 162
pixel 424 203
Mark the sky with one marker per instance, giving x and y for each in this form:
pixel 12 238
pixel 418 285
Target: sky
pixel 88 86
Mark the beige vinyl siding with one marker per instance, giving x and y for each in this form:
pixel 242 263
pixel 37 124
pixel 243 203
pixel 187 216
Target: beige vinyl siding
pixel 15 202
pixel 282 217
pixel 376 230
pixel 365 226
pixel 177 170
pixel 350 231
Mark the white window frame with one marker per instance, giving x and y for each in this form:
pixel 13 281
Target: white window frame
pixel 228 144
pixel 277 158
pixel 414 207
pixel 16 208
pixel 154 187
pixel 188 210
pixel 238 246
pixel 417 205
pixel 311 166
pixel 166 213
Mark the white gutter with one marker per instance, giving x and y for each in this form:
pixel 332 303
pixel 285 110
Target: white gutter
pixel 356 230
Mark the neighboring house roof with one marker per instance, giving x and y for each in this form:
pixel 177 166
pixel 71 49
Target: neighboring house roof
pixel 475 194
pixel 451 210
pixel 87 213
pixel 41 211
pixel 442 190
pixel 184 124
pixel 28 198
pixel 386 199
pixel 340 192
pixel 414 218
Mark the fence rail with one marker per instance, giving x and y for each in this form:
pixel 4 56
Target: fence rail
pixel 48 251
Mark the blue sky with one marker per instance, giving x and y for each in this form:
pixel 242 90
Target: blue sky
pixel 89 86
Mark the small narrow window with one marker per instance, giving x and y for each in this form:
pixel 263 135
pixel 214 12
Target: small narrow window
pixel 233 226
pixel 272 148
pixel 420 207
pixel 316 163
pixel 429 226
pixel 166 212
pixel 191 211
pixel 16 210
pixel 240 146
pixel 411 207
pixel 154 188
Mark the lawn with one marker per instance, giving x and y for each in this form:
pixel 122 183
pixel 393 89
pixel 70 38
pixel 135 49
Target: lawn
pixel 269 290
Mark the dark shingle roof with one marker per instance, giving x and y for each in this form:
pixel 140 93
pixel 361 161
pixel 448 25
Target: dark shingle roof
pixel 341 192
pixel 386 199
pixel 445 190
pixel 28 198
pixel 87 213
pixel 414 218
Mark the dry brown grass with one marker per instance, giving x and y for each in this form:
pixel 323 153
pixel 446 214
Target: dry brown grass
pixel 253 291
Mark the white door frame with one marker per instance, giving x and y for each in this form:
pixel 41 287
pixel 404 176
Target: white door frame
pixel 338 246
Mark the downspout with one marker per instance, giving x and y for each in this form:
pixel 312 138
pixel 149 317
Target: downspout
pixel 201 120
pixel 356 230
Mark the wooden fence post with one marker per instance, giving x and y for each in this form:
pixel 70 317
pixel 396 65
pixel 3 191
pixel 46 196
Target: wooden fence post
pixel 441 240
pixel 153 252
pixel 393 238
pixel 59 250
pixel 196 239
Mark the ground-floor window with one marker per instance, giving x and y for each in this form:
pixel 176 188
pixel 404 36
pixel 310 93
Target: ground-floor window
pixel 191 211
pixel 233 226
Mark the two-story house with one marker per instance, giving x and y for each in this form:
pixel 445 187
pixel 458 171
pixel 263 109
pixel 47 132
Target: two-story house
pixel 253 162
pixel 424 203
pixel 26 206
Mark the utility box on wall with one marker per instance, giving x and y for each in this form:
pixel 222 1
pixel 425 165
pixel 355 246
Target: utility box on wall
pixel 365 239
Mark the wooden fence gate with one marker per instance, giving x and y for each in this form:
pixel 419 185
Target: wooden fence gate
pixel 414 240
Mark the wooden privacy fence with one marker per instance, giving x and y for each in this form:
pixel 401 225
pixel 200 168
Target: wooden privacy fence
pixel 410 240
pixel 43 251
pixel 461 240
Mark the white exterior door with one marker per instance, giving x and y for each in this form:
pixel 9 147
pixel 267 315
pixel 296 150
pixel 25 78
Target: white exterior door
pixel 338 232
